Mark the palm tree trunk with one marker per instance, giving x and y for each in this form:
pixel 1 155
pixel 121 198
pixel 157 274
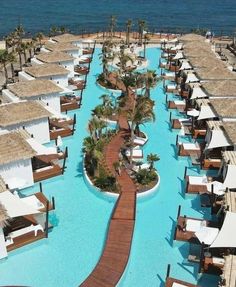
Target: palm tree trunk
pixel 131 143
pixel 30 52
pixel 20 60
pixel 5 71
pixel 25 58
pixel 12 72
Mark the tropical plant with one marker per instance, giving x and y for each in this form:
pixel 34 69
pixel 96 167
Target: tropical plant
pixel 146 39
pixel 12 60
pixel 145 176
pixel 141 26
pixel 93 153
pixel 112 25
pixel 95 127
pixel 105 182
pixel 128 81
pixel 39 38
pixel 4 58
pixel 151 158
pixel 128 27
pixel 150 79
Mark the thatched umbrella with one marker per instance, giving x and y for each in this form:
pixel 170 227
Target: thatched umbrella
pixel 4 217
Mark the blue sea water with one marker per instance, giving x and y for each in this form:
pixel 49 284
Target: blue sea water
pixel 93 15
pixel 81 217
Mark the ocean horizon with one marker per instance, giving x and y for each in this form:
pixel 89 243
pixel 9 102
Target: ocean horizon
pixel 92 16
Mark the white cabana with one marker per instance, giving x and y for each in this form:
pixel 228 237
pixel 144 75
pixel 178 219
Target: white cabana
pixel 191 78
pixel 185 66
pixel 178 56
pixel 193 113
pixel 230 178
pixel 198 93
pixel 16 182
pixel 206 113
pixel 41 149
pixel 15 206
pixel 207 234
pixel 218 139
pixel 227 235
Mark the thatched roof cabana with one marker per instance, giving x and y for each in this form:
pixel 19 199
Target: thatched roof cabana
pixel 229 157
pixel 226 88
pixel 3 186
pixel 230 129
pixel 224 108
pixel 54 57
pixel 14 147
pixel 64 46
pixel 4 217
pixel 34 88
pixel 21 112
pixel 46 70
pixel 69 38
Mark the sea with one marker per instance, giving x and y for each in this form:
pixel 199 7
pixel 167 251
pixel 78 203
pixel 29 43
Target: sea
pixel 90 16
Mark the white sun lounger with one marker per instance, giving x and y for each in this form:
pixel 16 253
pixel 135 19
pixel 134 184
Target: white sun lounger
pixel 193 225
pixel 27 229
pixel 33 201
pixel 171 87
pixel 178 102
pixel 136 168
pixel 140 141
pixel 178 285
pixel 191 146
pixel 198 180
pixel 137 153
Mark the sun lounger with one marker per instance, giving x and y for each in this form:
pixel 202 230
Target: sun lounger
pixel 198 180
pixel 136 168
pixel 140 141
pixel 32 200
pixel 188 149
pixel 178 285
pixel 27 229
pixel 137 153
pixel 193 225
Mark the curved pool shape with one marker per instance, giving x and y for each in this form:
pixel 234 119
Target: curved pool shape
pixel 80 221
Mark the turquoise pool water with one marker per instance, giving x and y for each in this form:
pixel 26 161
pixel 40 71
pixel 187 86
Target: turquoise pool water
pixel 73 248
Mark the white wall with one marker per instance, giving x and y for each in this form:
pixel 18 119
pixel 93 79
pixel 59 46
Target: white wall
pixel 23 76
pixel 38 128
pixel 69 65
pixel 21 169
pixel 52 100
pixel 9 96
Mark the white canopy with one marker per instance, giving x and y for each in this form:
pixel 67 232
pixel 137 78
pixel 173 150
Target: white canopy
pixel 193 113
pixel 230 178
pixel 178 47
pixel 41 149
pixel 185 66
pixel 218 139
pixel 198 93
pixel 206 113
pixel 16 182
pixel 15 206
pixel 227 235
pixel 191 78
pixel 207 234
pixel 218 187
pixel 179 55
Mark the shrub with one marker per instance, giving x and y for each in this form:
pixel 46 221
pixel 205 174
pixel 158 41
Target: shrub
pixel 145 176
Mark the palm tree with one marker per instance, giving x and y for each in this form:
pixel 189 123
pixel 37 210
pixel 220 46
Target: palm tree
pixel 128 81
pixel 128 26
pixel 93 152
pixel 151 158
pixel 150 80
pixel 146 39
pixel 53 31
pixel 124 60
pixel 112 25
pixel 141 26
pixel 12 60
pixel 4 60
pixel 19 52
pixel 141 113
pixel 39 38
pixel 24 48
pixel 19 32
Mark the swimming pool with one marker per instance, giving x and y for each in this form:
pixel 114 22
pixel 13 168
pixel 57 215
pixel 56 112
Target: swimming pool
pixel 75 244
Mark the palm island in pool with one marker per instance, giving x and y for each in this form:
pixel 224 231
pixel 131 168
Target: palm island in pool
pixel 124 212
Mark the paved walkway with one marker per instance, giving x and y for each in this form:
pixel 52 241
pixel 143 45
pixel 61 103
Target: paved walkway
pixel 115 256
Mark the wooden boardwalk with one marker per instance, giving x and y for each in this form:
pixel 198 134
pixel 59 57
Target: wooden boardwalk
pixel 115 256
